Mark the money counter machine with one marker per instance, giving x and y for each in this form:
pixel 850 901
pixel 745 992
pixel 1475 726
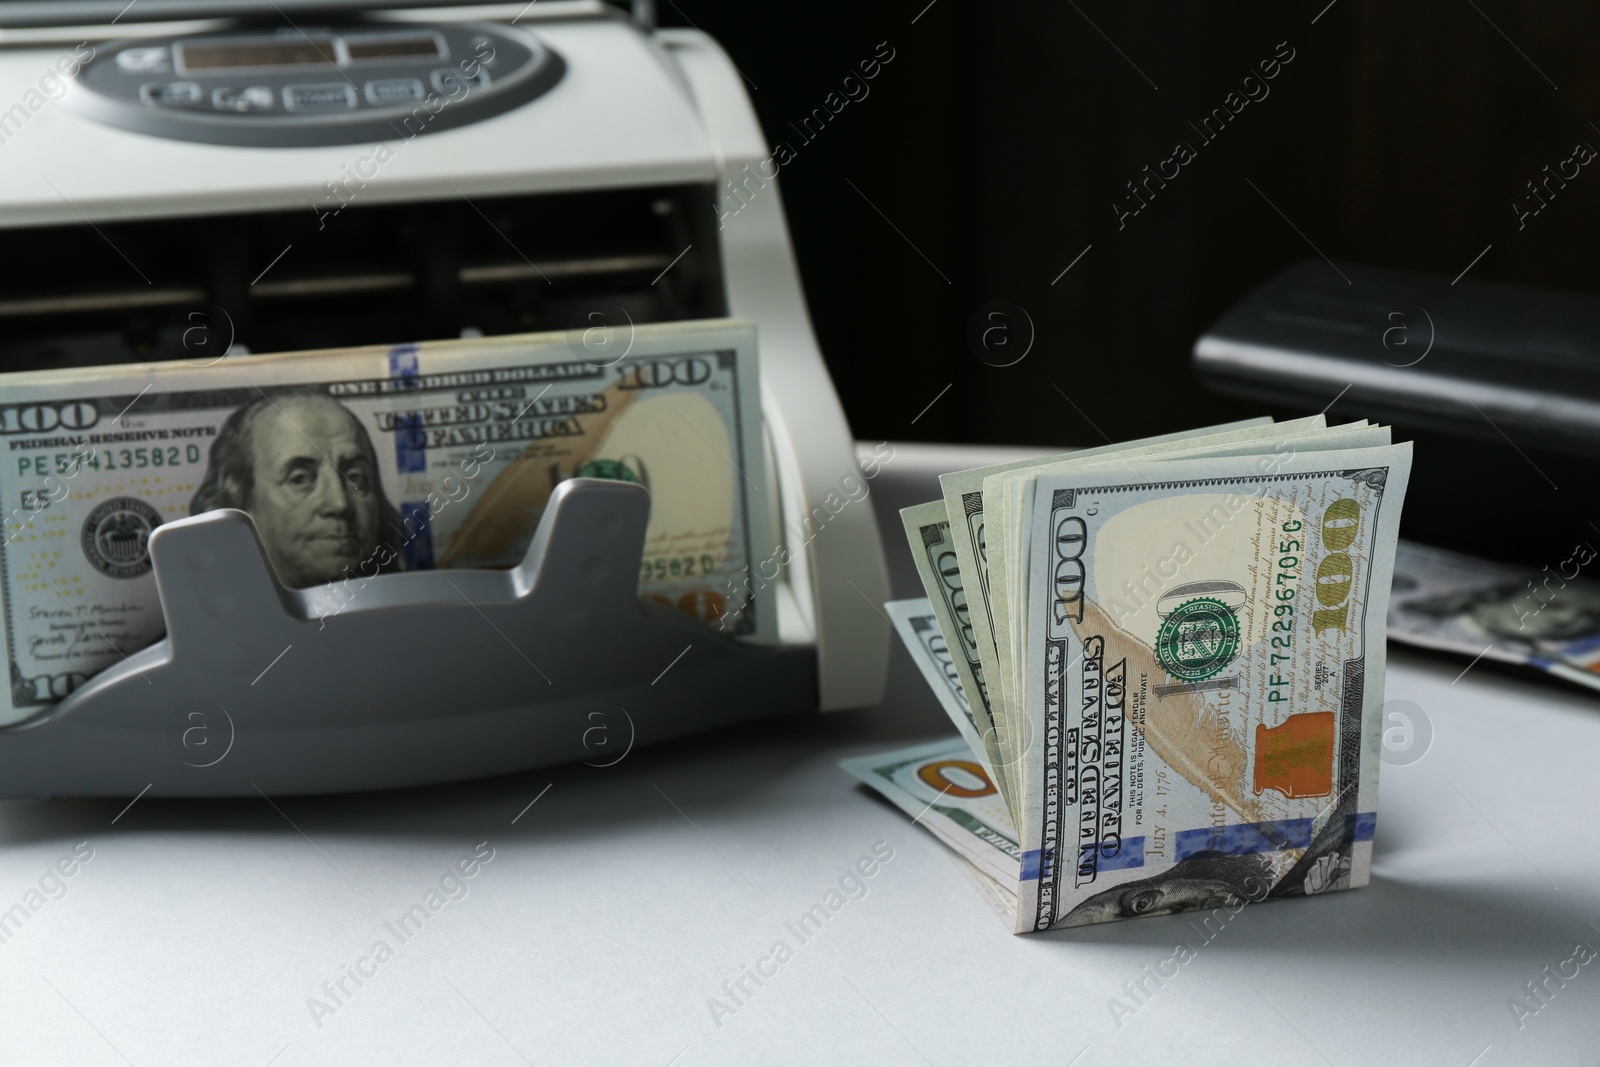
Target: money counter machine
pixel 584 164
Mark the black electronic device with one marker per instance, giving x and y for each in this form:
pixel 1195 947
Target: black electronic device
pixel 1498 384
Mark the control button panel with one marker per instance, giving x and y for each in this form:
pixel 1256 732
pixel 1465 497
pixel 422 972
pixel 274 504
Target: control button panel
pixel 250 98
pixel 386 91
pixel 452 82
pixel 327 85
pixel 180 94
pixel 145 60
pixel 330 96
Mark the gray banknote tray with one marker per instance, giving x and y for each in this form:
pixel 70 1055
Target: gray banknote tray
pixel 405 679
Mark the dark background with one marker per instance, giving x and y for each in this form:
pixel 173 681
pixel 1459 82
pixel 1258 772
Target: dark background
pixel 999 135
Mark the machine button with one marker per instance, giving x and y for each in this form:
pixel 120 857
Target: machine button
pixel 142 60
pixel 254 98
pixel 386 91
pixel 333 96
pixel 170 93
pixel 452 82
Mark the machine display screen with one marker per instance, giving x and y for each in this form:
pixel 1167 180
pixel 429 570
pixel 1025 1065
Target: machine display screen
pixel 391 47
pixel 267 52
pixel 270 52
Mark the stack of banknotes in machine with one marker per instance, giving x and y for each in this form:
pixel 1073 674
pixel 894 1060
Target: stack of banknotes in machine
pixel 1165 661
pixel 367 461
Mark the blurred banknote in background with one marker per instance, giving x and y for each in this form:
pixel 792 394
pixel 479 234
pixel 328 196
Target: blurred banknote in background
pixel 367 461
pixel 1549 619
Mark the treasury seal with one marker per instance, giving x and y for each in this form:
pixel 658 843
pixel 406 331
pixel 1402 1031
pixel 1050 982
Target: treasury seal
pixel 1198 639
pixel 116 537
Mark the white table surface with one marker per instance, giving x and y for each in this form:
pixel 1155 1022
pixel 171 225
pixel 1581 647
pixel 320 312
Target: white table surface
pixel 622 901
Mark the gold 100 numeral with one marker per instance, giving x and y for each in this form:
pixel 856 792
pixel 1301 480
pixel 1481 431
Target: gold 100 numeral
pixel 1334 574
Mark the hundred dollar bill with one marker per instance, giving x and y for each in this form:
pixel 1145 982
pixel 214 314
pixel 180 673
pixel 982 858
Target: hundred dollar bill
pixel 1268 443
pixel 942 787
pixel 1188 649
pixel 1547 618
pixel 999 894
pixel 928 529
pixel 965 506
pixel 364 461
pixel 919 630
pixel 1268 452
pixel 1203 664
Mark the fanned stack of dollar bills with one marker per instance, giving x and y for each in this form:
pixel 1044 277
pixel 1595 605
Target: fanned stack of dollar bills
pixel 1165 662
pixel 367 461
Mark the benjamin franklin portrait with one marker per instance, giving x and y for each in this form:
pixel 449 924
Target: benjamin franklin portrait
pixel 304 468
